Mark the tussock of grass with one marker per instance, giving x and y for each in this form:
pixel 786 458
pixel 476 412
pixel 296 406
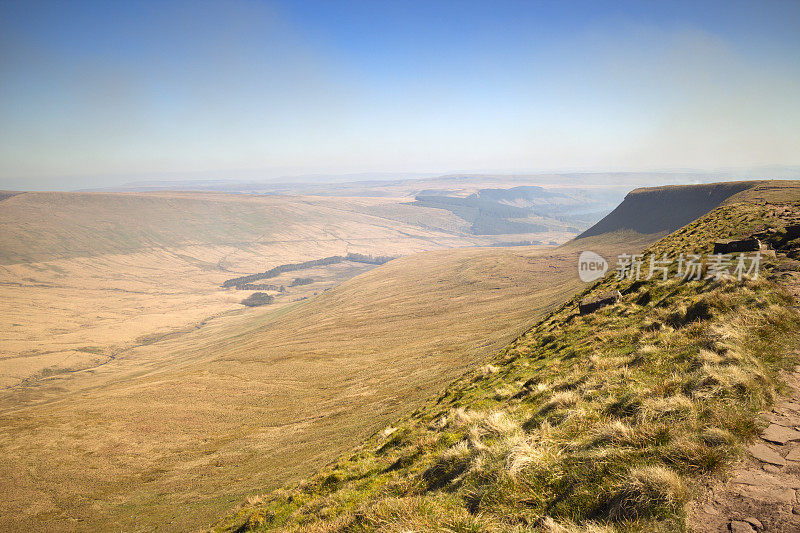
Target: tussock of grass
pixel 525 453
pixel 497 424
pixel 646 491
pixel 560 400
pixel 551 526
pixel 612 418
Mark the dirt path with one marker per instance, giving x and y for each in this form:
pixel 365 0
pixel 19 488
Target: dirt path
pixel 763 492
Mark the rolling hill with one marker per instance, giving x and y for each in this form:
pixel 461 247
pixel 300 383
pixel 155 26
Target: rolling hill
pixel 44 226
pixel 87 275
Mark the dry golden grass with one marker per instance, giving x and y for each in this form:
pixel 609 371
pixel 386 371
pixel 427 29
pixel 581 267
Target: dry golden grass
pixel 85 276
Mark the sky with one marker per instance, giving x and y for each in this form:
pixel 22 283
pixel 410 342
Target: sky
pixel 102 93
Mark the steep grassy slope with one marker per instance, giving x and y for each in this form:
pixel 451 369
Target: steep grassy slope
pixel 598 422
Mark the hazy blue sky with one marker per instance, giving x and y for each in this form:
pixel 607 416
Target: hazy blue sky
pixel 102 92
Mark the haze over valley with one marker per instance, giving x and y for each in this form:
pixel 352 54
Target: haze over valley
pixel 352 267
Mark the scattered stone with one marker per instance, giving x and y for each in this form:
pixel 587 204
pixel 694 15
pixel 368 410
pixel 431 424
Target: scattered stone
pixel 796 509
pixel 710 509
pixel 737 526
pixel 780 435
pixel 771 494
pixel 782 420
pixel 749 477
pixel 765 454
pixel 755 522
pixel 759 478
pixel 794 454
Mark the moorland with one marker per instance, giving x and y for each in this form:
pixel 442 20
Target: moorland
pixel 141 394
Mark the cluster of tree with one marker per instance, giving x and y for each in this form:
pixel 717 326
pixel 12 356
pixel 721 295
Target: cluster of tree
pixel 301 281
pixel 260 287
pixel 243 281
pixel 257 298
pixel 515 243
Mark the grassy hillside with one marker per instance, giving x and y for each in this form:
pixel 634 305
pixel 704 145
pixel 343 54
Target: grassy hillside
pixel 207 402
pixel 600 422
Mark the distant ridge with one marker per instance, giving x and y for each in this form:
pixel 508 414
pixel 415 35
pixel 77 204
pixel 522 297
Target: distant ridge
pixel 652 210
pixel 4 195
